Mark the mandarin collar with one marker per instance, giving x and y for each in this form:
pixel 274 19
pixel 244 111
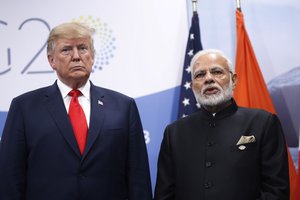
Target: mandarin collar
pixel 229 110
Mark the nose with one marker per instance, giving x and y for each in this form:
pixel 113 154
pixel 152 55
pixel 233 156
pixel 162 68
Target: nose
pixel 208 78
pixel 75 56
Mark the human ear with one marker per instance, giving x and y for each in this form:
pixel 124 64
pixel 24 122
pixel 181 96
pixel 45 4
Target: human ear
pixel 51 61
pixel 234 79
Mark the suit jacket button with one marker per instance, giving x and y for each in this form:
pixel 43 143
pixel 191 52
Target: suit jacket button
pixel 210 143
pixel 208 164
pixel 208 185
pixel 212 124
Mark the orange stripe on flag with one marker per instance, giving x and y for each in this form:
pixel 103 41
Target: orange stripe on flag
pixel 251 90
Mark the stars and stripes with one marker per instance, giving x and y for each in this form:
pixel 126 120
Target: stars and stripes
pixel 187 102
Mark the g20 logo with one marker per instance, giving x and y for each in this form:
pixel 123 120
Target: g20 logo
pixel 104 43
pixel 26 67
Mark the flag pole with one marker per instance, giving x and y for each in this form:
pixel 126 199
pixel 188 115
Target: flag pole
pixel 194 6
pixel 238 5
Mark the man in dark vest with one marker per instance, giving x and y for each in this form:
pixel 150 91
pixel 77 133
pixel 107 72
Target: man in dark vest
pixel 222 152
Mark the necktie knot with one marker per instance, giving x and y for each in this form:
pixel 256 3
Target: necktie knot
pixel 75 93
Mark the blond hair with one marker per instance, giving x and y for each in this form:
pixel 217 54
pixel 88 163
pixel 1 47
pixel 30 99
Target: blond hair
pixel 70 30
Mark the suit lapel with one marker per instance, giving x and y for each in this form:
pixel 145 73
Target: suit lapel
pixel 96 119
pixel 59 114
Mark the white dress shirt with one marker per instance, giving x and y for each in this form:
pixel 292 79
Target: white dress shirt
pixel 84 100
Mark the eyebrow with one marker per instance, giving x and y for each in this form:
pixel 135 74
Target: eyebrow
pixel 71 46
pixel 216 67
pixel 211 68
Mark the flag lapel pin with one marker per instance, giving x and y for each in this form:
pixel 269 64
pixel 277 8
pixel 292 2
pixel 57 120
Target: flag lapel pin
pixel 100 103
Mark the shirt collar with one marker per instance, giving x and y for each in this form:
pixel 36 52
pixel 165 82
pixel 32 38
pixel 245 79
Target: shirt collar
pixel 64 89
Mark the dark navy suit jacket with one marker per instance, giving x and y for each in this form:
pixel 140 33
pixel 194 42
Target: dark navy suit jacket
pixel 40 159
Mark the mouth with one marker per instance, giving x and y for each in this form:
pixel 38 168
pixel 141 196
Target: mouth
pixel 211 90
pixel 75 68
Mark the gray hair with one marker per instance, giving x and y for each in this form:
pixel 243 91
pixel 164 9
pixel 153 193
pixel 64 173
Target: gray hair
pixel 210 51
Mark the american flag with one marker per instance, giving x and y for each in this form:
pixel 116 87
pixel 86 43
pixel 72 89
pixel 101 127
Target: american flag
pixel 187 101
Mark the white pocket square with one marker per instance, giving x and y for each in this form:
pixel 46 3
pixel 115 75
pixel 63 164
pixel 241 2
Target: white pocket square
pixel 246 139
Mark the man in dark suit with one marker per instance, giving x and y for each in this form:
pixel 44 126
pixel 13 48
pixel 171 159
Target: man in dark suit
pixel 222 152
pixel 45 156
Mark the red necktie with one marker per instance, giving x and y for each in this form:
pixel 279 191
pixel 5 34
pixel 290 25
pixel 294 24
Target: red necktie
pixel 78 120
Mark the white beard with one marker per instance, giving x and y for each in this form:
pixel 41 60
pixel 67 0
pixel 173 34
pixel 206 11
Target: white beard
pixel 214 99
